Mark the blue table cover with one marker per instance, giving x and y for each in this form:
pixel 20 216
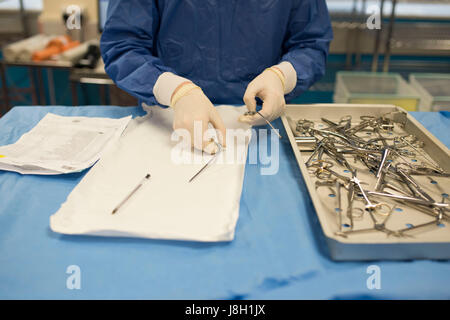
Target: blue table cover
pixel 278 252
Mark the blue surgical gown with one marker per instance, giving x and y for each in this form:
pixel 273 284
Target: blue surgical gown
pixel 221 45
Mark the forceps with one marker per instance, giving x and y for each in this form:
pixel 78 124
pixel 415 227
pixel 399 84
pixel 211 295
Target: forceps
pixel 350 209
pixel 369 205
pixel 380 227
pixel 322 170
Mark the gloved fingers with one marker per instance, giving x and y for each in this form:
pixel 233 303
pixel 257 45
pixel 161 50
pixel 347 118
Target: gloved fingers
pixel 250 95
pixel 269 107
pixel 253 120
pixel 272 107
pixel 210 147
pixel 197 131
pixel 281 109
pixel 208 143
pixel 200 139
pixel 253 91
pixel 218 124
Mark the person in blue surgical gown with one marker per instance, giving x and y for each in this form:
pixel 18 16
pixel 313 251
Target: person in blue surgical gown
pixel 191 54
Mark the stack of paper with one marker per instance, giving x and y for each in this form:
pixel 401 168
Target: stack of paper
pixel 60 144
pixel 167 206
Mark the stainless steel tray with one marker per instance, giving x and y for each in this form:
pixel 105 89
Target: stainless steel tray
pixel 433 244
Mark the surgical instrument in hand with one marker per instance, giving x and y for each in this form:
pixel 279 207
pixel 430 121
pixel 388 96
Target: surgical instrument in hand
pixel 270 124
pixel 251 113
pixel 131 194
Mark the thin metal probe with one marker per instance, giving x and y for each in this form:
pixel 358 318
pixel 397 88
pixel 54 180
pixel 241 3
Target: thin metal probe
pixel 350 197
pixel 424 155
pixel 383 141
pixel 208 163
pixel 268 122
pixel 339 209
pixel 409 199
pixel 131 194
pixel 349 232
pixel 330 123
pixel 420 226
pixel 380 173
pixel 388 185
pixel 361 126
pixel 425 209
pixel 417 187
pixel 428 172
pixel 389 215
pixel 369 205
pixel 441 212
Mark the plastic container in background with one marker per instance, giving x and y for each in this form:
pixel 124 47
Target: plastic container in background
pixel 375 88
pixel 434 90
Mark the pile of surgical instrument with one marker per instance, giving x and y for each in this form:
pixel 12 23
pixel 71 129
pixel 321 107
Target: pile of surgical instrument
pixel 378 170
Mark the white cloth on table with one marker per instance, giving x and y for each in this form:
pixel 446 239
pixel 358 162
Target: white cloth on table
pixel 167 206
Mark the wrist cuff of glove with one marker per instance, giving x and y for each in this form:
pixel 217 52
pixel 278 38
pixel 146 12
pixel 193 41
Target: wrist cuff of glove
pixel 280 75
pixel 290 76
pixel 182 91
pixel 165 87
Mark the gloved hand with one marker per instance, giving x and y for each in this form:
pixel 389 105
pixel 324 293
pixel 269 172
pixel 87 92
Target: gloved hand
pixel 269 86
pixel 191 105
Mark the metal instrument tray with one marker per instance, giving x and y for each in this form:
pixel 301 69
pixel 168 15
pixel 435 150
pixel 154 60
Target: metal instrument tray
pixel 433 244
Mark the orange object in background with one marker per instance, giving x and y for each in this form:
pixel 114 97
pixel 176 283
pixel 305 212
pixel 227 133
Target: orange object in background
pixel 55 46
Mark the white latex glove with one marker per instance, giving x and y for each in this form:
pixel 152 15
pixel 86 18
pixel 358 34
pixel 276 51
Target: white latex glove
pixel 194 106
pixel 190 106
pixel 269 88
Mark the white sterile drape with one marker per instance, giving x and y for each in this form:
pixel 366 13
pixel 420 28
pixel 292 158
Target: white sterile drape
pixel 167 206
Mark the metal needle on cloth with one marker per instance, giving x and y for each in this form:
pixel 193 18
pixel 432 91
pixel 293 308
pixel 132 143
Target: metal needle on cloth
pixel 131 193
pixel 219 149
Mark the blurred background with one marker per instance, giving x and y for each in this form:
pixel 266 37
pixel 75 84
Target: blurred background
pixel 50 54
